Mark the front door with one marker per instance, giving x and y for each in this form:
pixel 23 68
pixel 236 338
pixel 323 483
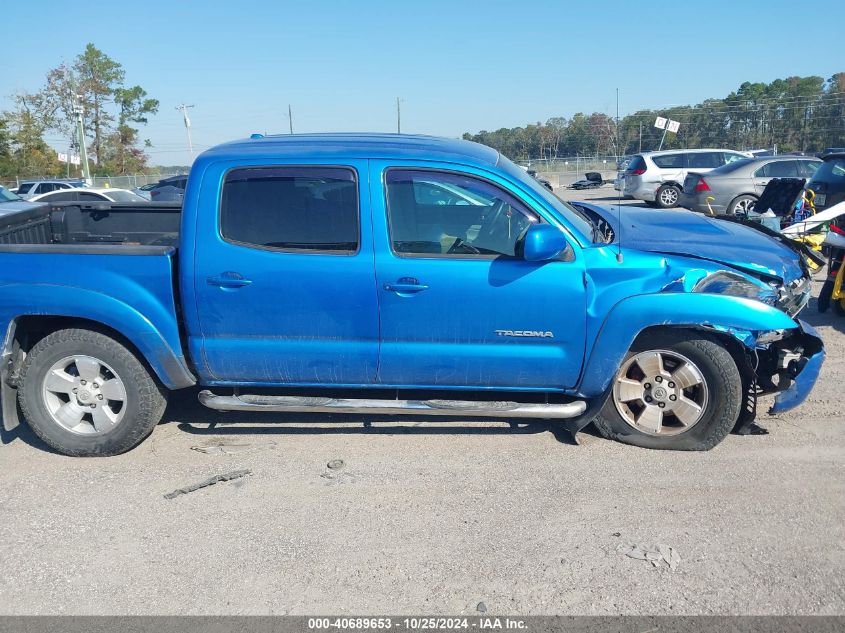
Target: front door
pixel 284 277
pixel 459 307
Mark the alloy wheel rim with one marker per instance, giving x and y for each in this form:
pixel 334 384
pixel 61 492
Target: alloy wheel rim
pixel 744 206
pixel 84 395
pixel 669 196
pixel 660 393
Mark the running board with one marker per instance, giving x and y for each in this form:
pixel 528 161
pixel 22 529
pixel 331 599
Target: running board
pixel 301 404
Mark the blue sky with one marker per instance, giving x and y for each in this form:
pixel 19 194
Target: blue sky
pixel 458 65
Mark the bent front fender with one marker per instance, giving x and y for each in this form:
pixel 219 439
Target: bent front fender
pixel 631 316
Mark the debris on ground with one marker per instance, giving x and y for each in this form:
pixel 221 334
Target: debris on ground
pixel 235 474
pixel 336 464
pixel 481 607
pixel 220 448
pixel 657 554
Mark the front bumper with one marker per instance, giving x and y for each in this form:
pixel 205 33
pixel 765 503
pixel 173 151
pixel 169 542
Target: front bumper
pixel 804 372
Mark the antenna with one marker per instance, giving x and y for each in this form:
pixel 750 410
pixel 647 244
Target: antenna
pixel 619 258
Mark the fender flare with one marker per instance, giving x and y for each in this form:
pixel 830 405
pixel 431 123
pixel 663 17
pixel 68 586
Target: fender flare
pixel 147 325
pixel 702 311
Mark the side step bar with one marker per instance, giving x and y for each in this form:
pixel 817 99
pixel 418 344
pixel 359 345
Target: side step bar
pixel 303 404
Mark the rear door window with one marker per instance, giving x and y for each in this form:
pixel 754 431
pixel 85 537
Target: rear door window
pixel 778 169
pixel 669 161
pixel 292 209
pixel 704 160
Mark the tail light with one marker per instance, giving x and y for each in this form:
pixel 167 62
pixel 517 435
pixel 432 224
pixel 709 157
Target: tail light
pixel 154 193
pixel 637 172
pixel 701 186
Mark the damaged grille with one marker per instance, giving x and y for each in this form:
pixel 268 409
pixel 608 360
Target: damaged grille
pixel 793 296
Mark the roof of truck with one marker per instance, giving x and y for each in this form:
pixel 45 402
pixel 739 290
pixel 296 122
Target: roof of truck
pixel 373 145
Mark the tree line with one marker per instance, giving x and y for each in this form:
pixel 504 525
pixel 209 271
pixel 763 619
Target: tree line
pixel 111 112
pixel 794 114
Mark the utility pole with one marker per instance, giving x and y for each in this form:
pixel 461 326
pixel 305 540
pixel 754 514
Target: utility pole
pixel 80 135
pixel 641 138
pixel 398 117
pixel 290 119
pixel 184 110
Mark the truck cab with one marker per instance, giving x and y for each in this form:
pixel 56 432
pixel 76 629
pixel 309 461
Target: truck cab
pixel 406 275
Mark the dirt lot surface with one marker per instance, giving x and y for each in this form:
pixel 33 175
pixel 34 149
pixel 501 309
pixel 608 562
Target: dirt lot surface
pixel 430 517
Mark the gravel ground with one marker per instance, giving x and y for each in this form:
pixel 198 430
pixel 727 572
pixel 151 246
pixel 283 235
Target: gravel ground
pixel 430 517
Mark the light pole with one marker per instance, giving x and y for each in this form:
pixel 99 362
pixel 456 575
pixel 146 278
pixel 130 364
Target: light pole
pixel 398 116
pixel 184 109
pixel 80 133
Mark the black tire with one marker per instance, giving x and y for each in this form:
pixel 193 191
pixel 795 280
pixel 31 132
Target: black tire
pixel 667 197
pixel 745 200
pixel 825 296
pixel 144 402
pixel 720 412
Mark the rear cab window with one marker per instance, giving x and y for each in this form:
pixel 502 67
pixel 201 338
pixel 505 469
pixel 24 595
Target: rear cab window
pixel 291 209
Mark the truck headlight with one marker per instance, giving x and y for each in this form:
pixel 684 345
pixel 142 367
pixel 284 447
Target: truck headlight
pixel 735 285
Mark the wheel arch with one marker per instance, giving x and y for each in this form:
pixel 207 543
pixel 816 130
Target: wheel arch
pixel 25 330
pixel 730 319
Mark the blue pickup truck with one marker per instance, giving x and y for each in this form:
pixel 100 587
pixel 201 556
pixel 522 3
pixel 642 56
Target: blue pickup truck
pixel 394 274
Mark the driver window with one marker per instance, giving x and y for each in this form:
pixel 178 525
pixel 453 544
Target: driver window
pixel 445 213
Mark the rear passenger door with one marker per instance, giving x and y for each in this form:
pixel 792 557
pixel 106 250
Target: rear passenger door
pixel 284 279
pixel 774 169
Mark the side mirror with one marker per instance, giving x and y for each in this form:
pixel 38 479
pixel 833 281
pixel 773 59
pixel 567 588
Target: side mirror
pixel 543 242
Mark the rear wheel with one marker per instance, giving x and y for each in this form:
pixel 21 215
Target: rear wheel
pixel 675 390
pixel 85 394
pixel 667 196
pixel 742 205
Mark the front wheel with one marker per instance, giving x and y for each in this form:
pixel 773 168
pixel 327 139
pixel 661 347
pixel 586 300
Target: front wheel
pixel 676 391
pixel 667 196
pixel 86 394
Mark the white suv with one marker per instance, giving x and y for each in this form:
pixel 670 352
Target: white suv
pixel 658 177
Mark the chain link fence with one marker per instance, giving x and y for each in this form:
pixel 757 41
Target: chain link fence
pixel 113 182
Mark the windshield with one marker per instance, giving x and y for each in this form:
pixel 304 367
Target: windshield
pixel 7 196
pixel 575 218
pixel 125 196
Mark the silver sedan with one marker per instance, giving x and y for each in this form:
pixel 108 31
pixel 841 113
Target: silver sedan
pixel 735 187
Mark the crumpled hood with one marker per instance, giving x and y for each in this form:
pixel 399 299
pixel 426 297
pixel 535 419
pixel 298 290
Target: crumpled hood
pixel 693 234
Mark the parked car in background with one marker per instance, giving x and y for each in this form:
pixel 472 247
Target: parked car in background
pixel 828 183
pixel 658 177
pixel 29 188
pixel 832 150
pixel 12 203
pixel 542 181
pixel 169 189
pixel 735 187
pixel 90 195
pixel 144 190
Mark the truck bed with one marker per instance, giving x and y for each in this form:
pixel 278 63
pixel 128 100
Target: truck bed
pixel 62 225
pixel 111 264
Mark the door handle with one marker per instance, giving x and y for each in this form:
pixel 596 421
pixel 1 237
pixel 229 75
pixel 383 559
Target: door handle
pixel 405 286
pixel 229 279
